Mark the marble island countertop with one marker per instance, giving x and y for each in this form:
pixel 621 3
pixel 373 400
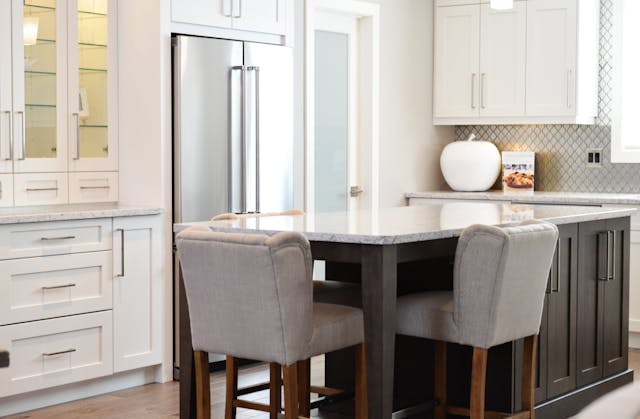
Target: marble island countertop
pixel 72 212
pixel 575 198
pixel 408 224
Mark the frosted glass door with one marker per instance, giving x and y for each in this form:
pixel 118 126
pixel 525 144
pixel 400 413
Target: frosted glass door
pixel 91 106
pixel 331 121
pixel 39 131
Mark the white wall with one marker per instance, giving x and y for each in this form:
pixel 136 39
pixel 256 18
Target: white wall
pixel 409 143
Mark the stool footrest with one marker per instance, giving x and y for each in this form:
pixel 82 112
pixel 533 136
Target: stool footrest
pixel 253 389
pixel 245 404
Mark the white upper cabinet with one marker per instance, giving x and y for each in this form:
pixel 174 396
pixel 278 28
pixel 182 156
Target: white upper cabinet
pixel 266 16
pixel 92 85
pixel 202 12
pixel 538 63
pixel 457 49
pixel 263 16
pixel 6 107
pixel 503 40
pixel 551 57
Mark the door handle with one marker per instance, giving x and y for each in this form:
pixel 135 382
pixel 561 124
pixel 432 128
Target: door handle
pixel 77 117
pixel 23 154
pixel 473 90
pixel 612 256
pixel 355 191
pixel 556 290
pixel 483 81
pixel 121 231
pixel 256 71
pixel 239 3
pixel 227 8
pixel 569 76
pixel 10 118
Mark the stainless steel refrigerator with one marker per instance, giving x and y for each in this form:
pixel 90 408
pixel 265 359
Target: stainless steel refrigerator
pixel 232 130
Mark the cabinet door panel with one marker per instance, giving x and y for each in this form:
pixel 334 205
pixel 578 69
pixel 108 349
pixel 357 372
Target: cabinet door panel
pixel 6 190
pixel 561 367
pixel 616 298
pixel 503 60
pixel 268 16
pixel 137 296
pixel 202 12
pixel 92 85
pixel 457 52
pixel 551 57
pixel 39 86
pixel 540 393
pixel 590 321
pixel 6 166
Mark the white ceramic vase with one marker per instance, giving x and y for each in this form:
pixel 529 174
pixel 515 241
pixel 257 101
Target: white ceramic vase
pixel 470 166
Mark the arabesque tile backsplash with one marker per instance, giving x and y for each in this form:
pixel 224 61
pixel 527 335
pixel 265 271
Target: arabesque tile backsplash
pixel 561 149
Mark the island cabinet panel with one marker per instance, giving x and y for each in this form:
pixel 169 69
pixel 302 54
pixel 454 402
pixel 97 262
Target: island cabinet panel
pixel 603 299
pixel 557 341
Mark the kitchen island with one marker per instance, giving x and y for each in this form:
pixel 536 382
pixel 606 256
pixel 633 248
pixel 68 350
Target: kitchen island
pixel 583 353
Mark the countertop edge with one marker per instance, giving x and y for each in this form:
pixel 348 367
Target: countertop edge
pixel 67 214
pixel 564 198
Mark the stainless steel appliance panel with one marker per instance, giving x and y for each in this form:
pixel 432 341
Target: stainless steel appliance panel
pixel 207 120
pixel 269 127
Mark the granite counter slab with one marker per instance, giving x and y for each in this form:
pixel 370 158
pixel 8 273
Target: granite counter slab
pixel 568 198
pixel 72 212
pixel 410 224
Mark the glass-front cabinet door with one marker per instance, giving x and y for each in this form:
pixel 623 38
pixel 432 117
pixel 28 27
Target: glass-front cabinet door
pixel 39 125
pixel 92 98
pixel 6 107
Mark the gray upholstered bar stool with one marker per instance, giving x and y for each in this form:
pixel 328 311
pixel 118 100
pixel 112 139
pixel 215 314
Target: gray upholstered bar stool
pixel 499 281
pixel 250 296
pixel 331 292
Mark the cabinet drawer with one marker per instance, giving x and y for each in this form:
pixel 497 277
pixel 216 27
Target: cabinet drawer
pixel 54 352
pixel 6 190
pixel 54 286
pixel 93 187
pixel 54 238
pixel 40 189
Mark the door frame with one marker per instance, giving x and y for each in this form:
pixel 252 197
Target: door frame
pixel 368 15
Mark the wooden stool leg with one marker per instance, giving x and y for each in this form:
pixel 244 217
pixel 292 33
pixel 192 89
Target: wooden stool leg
pixel 275 390
pixel 203 395
pixel 361 383
pixel 529 374
pixel 440 379
pixel 304 384
pixel 478 382
pixel 290 378
pixel 232 387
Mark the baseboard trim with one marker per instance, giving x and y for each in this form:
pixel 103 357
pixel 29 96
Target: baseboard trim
pixel 569 404
pixel 634 339
pixel 76 391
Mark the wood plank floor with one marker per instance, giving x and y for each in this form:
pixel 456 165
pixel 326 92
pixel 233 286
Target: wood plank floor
pixel 157 401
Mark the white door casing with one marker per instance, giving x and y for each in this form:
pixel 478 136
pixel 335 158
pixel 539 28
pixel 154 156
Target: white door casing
pixel 363 127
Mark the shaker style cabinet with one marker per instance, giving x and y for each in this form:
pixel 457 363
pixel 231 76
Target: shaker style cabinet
pixel 480 61
pixel 557 341
pixel 603 299
pixel 137 306
pixel 265 16
pixel 537 63
pixel 58 87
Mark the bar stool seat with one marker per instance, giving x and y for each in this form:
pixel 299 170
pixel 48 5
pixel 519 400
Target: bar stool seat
pixel 427 314
pixel 335 326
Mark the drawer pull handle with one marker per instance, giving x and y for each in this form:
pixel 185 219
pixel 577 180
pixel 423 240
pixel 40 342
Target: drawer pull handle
pixel 68 351
pixel 47 239
pixel 95 187
pixel 40 189
pixel 56 287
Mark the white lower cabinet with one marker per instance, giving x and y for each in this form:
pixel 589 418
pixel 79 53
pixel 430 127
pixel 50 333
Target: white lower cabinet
pixel 59 351
pixel 79 299
pixel 136 306
pixel 6 190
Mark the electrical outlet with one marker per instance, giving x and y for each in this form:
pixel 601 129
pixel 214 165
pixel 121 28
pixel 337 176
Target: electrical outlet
pixel 594 157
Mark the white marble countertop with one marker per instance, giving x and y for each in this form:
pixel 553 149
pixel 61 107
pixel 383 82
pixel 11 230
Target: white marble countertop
pixel 575 198
pixel 72 212
pixel 409 224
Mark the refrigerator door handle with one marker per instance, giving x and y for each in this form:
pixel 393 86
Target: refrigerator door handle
pixel 256 70
pixel 243 146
